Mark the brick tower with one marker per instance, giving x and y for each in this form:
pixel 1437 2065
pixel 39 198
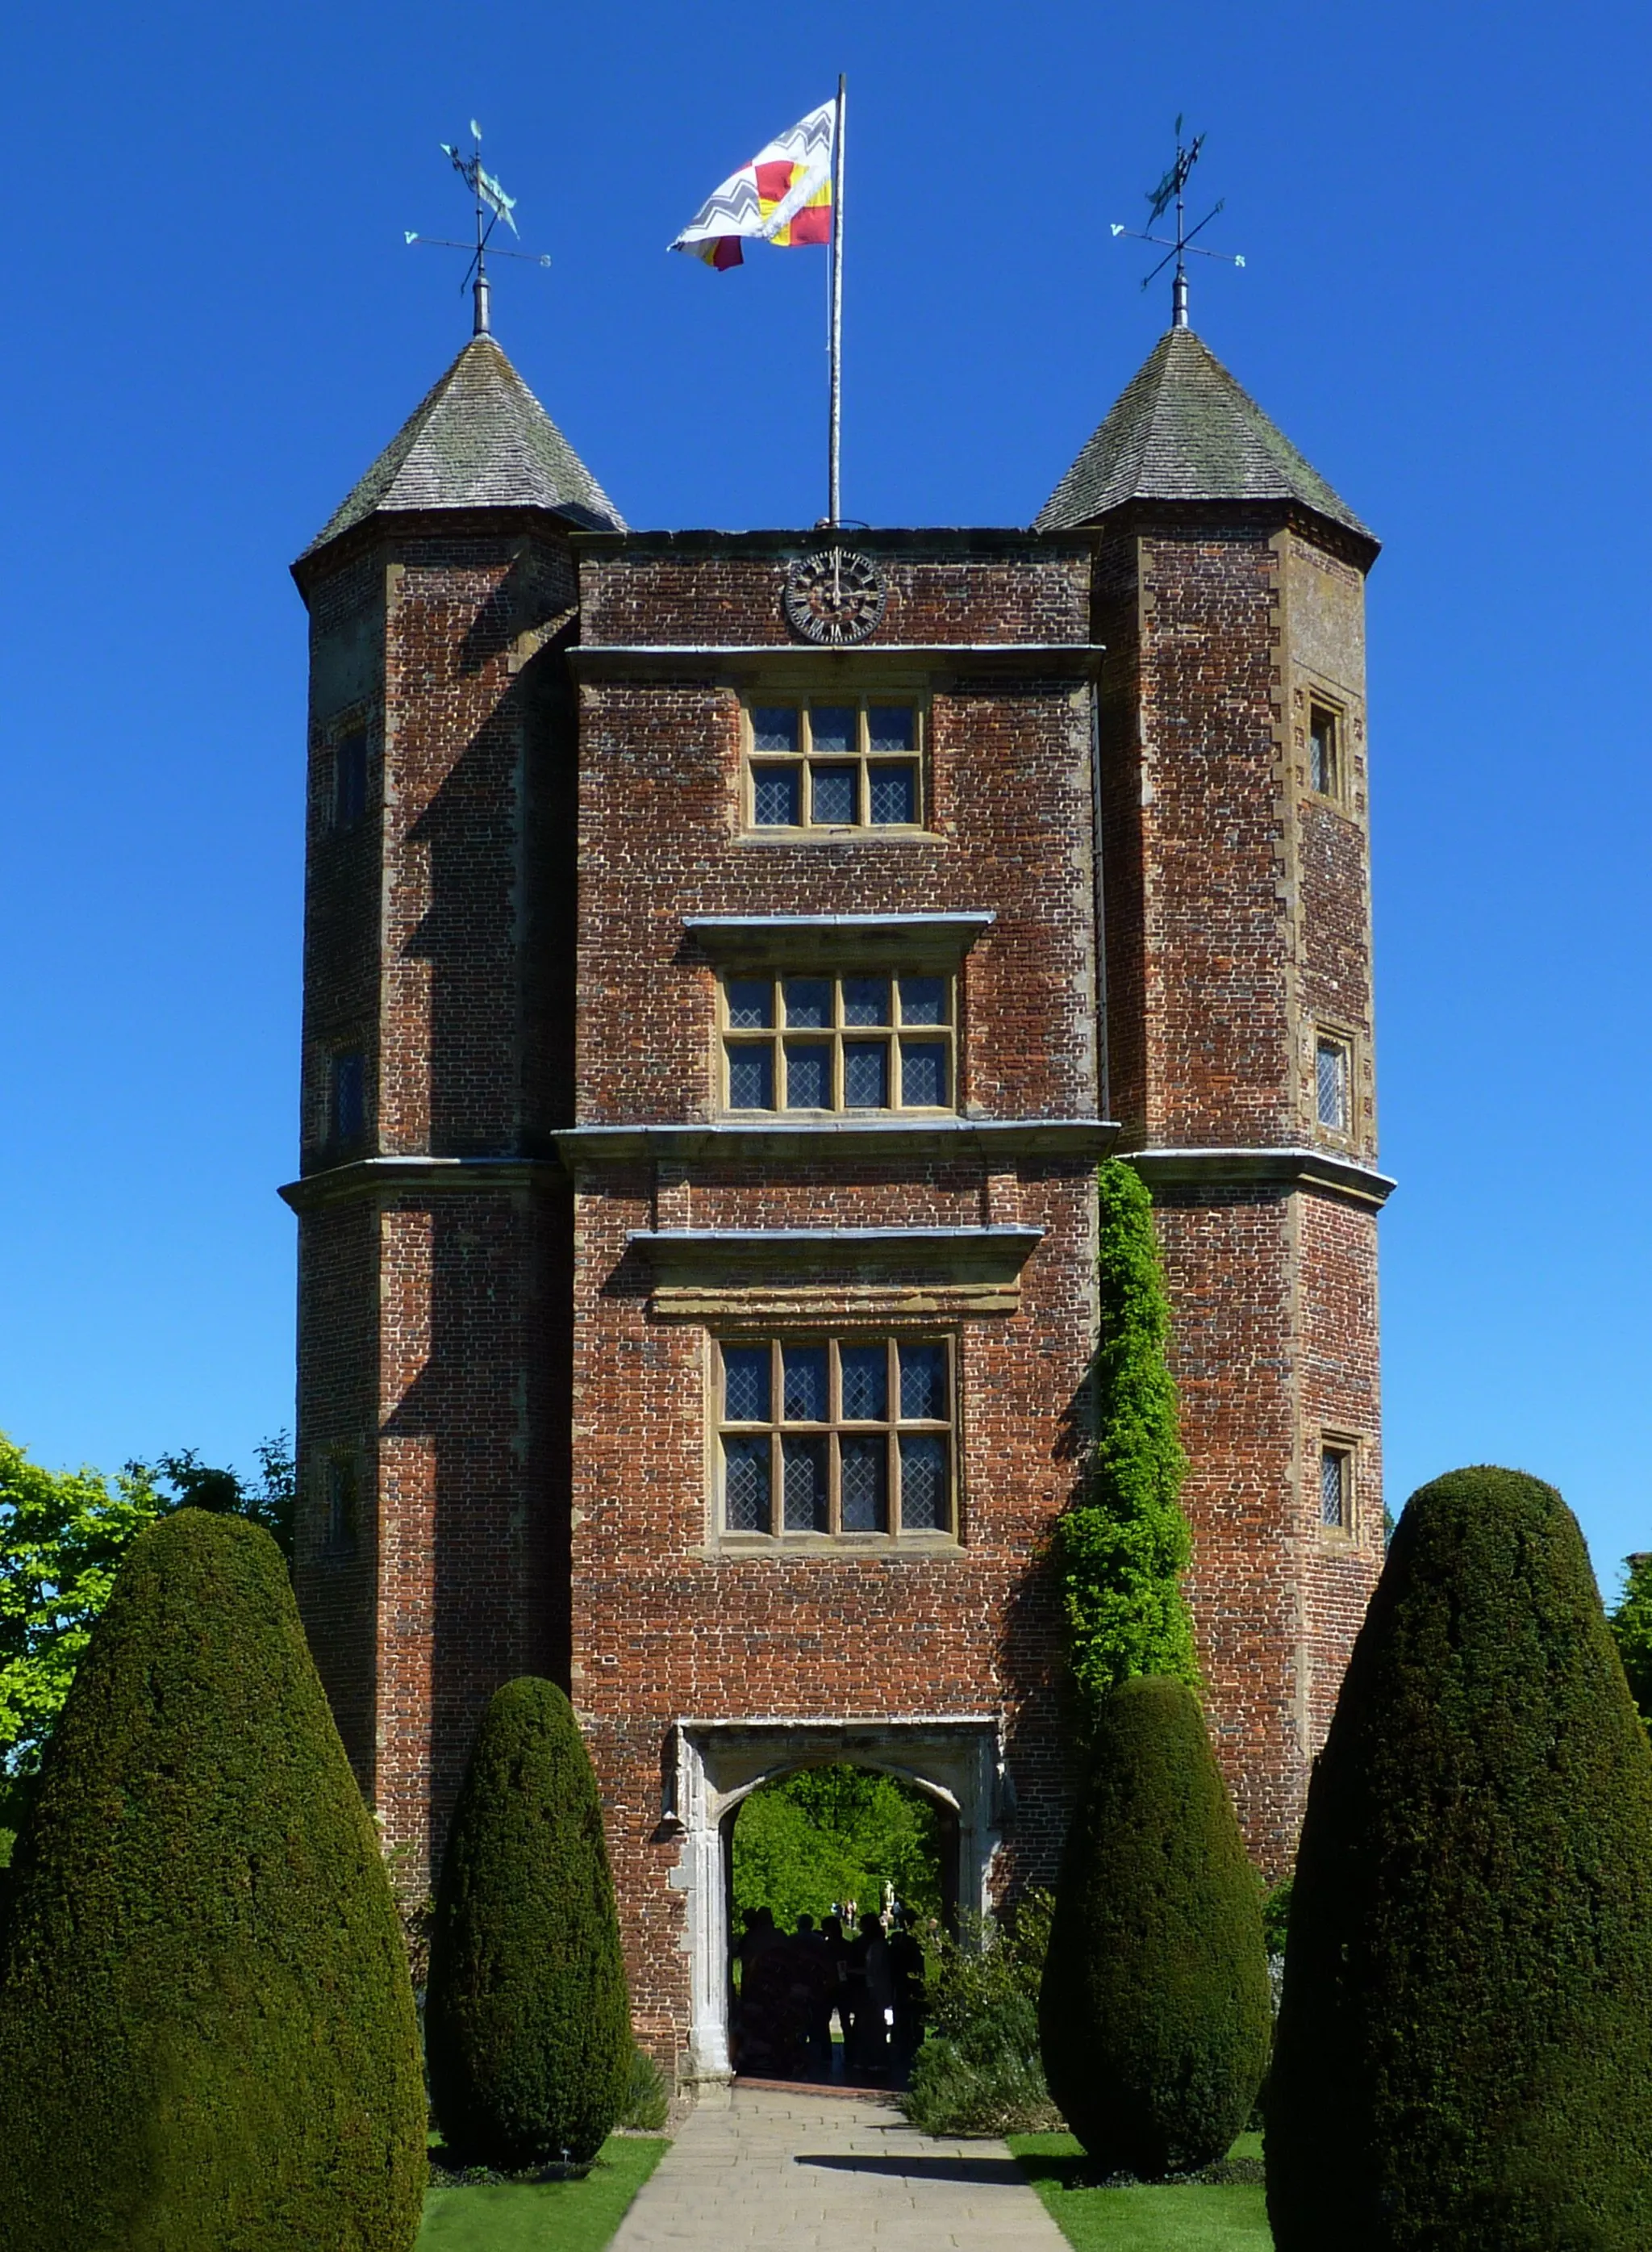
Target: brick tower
pixel 727 957
pixel 1228 591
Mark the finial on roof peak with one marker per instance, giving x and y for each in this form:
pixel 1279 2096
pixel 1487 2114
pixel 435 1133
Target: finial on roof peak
pixel 492 205
pixel 1172 189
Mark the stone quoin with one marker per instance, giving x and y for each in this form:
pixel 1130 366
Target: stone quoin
pixel 726 965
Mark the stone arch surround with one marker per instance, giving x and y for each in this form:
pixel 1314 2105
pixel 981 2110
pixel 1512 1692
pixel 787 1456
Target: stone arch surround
pixel 713 1766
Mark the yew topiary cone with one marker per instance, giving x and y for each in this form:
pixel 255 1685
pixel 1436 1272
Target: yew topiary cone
pixel 527 2021
pixel 1464 2054
pixel 1155 2013
pixel 207 2034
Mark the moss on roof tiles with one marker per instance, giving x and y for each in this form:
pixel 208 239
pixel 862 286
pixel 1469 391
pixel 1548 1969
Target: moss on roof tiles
pixel 1183 430
pixel 480 439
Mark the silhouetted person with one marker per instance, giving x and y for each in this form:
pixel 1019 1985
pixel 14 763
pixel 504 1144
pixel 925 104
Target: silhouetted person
pixel 870 1972
pixel 906 1975
pixel 836 1949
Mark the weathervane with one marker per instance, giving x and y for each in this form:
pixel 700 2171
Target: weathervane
pixel 1172 189
pixel 492 205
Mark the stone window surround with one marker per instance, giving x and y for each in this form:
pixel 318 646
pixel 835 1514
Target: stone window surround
pixel 835 1428
pixel 890 1037
pixel 1346 1445
pixel 1324 1034
pixel 861 758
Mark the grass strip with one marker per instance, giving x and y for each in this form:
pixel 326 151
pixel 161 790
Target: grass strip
pixel 1147 2216
pixel 570 2216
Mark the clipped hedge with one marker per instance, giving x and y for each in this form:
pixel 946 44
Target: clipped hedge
pixel 1464 2053
pixel 1155 2013
pixel 527 2021
pixel 207 2033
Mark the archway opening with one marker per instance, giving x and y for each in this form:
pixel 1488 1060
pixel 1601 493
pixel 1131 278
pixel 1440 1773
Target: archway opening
pixel 833 1873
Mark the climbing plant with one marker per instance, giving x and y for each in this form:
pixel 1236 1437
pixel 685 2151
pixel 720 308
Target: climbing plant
pixel 1120 1552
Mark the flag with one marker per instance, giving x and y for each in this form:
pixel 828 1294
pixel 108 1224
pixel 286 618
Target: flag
pixel 784 196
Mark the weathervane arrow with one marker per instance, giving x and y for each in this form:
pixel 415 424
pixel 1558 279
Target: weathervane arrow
pixel 492 205
pixel 1172 189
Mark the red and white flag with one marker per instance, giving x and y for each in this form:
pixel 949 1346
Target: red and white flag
pixel 784 196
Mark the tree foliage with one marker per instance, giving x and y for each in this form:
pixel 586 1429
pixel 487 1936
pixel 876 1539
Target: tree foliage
pixel 207 2033
pixel 827 1834
pixel 527 2021
pixel 1154 2010
pixel 1120 1553
pixel 62 1536
pixel 1464 2050
pixel 1631 1624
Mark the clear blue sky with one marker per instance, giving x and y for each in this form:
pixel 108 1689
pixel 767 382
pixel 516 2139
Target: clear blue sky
pixel 214 325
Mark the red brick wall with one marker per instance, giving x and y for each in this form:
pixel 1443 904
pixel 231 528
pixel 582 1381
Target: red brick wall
pixel 535 1432
pixel 1238 917
pixel 668 1623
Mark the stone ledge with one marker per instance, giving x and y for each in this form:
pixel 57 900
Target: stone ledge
pixel 421 1175
pixel 893 940
pixel 886 664
pixel 835 1273
pixel 1286 1168
pixel 994 1141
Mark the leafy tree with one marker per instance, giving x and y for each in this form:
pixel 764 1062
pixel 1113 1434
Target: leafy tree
pixel 1464 2049
pixel 836 1833
pixel 1631 1624
pixel 527 2021
pixel 1154 2012
pixel 62 1536
pixel 1120 1551
pixel 207 2034
pixel 267 1502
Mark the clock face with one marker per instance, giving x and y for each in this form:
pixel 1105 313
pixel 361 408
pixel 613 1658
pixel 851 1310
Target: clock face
pixel 835 595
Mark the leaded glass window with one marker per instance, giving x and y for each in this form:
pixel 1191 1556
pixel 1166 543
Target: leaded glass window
pixel 836 1436
pixel 834 766
pixel 874 1041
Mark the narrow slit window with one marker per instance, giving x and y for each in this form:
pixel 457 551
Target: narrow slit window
pixel 348 1098
pixel 341 1498
pixel 349 780
pixel 1325 750
pixel 835 766
pixel 1332 1091
pixel 836 1437
pixel 1336 1489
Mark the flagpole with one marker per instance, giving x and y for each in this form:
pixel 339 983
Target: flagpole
pixel 834 511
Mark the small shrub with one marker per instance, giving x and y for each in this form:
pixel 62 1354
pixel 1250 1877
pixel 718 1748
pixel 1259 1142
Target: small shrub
pixel 527 2023
pixel 206 2031
pixel 646 2102
pixel 979 2072
pixel 1464 2053
pixel 1155 2009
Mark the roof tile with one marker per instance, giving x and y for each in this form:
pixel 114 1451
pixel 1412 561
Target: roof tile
pixel 1183 430
pixel 480 439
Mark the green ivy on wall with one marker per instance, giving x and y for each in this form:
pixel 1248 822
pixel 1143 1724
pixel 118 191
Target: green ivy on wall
pixel 1121 1551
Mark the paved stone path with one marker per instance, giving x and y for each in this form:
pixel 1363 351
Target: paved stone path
pixel 775 2172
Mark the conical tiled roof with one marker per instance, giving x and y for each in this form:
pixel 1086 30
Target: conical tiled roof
pixel 479 440
pixel 1183 430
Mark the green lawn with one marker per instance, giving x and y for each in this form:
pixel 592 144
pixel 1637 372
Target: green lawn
pixel 1172 2217
pixel 576 2216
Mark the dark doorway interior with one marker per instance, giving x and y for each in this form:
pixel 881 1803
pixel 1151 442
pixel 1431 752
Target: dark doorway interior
pixel 834 1874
